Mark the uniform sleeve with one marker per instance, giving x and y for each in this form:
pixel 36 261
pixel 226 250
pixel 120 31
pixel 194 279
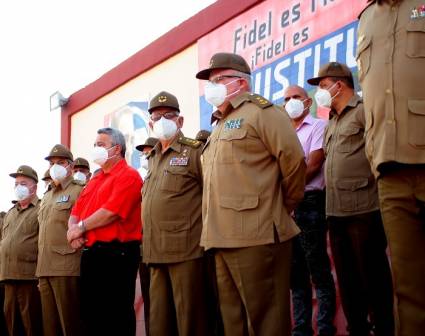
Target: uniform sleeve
pixel 278 135
pixel 317 136
pixel 124 196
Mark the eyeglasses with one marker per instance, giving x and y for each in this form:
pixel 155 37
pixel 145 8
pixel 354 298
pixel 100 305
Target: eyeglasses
pixel 166 115
pixel 221 77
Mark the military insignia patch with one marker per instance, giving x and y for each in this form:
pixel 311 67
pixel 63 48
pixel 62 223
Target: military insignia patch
pixel 162 99
pixel 233 124
pixel 418 12
pixel 63 199
pixel 179 161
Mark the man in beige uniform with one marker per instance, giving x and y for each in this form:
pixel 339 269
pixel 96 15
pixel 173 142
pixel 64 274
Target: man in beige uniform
pixel 3 328
pixel 172 224
pixel 81 170
pixel 18 257
pixel 58 265
pixel 355 227
pixel 254 176
pixel 391 61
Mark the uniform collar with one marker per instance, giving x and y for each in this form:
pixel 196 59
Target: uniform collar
pixel 234 103
pixel 33 202
pixel 63 184
pixel 175 145
pixel 353 102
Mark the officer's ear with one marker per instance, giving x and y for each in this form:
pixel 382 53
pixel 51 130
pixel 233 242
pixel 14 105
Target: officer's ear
pixel 180 121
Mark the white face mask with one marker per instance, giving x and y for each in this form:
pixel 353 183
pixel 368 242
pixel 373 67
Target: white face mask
pixel 58 172
pixel 164 128
pixel 21 192
pixel 100 155
pixel 295 108
pixel 144 163
pixel 216 93
pixel 323 97
pixel 79 176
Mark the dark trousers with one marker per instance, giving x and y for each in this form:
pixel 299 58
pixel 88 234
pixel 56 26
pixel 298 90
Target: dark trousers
pixel 3 328
pixel 145 280
pixel 22 308
pixel 402 199
pixel 108 278
pixel 310 263
pixel 253 289
pixel 358 246
pixel 177 299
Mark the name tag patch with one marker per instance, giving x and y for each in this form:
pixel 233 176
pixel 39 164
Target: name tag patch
pixel 418 12
pixel 233 124
pixel 63 199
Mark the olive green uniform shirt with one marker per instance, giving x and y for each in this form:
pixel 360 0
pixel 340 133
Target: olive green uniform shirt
pixel 171 203
pixel 350 185
pixel 56 257
pixel 254 175
pixel 391 62
pixel 18 247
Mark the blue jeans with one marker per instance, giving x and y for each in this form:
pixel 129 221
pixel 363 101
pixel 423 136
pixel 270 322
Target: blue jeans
pixel 311 264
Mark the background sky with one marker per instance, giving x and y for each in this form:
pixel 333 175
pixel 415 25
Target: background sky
pixel 49 45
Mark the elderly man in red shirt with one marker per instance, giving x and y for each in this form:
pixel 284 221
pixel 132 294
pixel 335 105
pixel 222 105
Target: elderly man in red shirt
pixel 106 220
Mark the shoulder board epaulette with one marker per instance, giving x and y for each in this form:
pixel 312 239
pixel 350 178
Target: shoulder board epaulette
pixel 189 142
pixel 260 101
pixel 80 183
pixel 366 7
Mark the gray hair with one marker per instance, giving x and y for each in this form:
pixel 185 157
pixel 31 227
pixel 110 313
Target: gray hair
pixel 117 137
pixel 244 76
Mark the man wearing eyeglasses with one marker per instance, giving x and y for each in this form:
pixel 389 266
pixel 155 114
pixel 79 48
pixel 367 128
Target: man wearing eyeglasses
pixel 172 224
pixel 254 176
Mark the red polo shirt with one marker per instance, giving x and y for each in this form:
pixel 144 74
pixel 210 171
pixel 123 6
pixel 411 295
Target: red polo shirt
pixel 118 191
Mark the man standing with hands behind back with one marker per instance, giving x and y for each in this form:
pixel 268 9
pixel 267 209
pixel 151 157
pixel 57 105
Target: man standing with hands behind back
pixel 254 176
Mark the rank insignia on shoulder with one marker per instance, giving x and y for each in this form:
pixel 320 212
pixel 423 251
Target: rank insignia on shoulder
pixel 179 161
pixel 189 142
pixel 259 100
pixel 233 124
pixel 63 199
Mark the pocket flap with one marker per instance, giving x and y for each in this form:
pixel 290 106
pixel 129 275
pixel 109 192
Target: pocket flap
pixel 233 134
pixel 174 225
pixel 351 130
pixel 352 184
pixel 63 250
pixel 362 44
pixel 416 26
pixel 416 106
pixel 239 203
pixel 63 206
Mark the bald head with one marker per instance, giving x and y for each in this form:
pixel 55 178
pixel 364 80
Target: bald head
pixel 296 92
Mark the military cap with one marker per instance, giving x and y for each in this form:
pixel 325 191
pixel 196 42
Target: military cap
pixel 225 61
pixel 25 171
pixel 150 142
pixel 164 99
pixel 46 175
pixel 81 162
pixel 203 135
pixel 332 69
pixel 60 151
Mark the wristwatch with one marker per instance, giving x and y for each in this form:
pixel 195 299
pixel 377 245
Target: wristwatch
pixel 82 226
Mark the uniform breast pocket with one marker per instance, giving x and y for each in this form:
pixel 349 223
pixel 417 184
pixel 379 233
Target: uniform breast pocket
pixel 364 48
pixel 416 122
pixel 232 145
pixel 350 139
pixel 175 179
pixel 62 211
pixel 415 39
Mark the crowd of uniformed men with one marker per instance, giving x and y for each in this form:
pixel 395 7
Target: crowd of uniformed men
pixel 235 222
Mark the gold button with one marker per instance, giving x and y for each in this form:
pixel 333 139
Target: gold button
pixel 388 91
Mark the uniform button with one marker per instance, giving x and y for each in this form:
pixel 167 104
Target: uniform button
pixel 387 91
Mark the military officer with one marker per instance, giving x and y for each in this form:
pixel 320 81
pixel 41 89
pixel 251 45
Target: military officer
pixel 18 257
pixel 172 223
pixel 391 62
pixel 254 176
pixel 81 170
pixel 355 228
pixel 46 178
pixel 202 136
pixel 3 328
pixel 58 264
pixel 145 148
